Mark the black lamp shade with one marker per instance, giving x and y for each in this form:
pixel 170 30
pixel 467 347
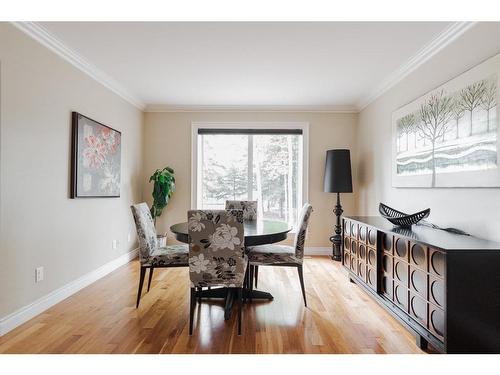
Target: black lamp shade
pixel 338 177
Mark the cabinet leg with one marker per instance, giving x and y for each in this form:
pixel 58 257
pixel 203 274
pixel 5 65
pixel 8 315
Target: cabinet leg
pixel 421 342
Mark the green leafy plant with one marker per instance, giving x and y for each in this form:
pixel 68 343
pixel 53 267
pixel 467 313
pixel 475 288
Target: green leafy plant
pixel 164 186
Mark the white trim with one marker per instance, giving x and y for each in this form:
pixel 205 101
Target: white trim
pixel 317 250
pixel 44 37
pixel 250 108
pixel 28 312
pixel 249 125
pixel 425 54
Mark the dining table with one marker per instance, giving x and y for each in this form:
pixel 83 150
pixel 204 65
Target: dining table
pixel 257 232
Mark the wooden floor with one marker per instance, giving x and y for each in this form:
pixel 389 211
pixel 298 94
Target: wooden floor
pixel 102 318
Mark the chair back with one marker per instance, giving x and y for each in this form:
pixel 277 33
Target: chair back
pixel 249 208
pixel 216 248
pixel 146 233
pixel 300 235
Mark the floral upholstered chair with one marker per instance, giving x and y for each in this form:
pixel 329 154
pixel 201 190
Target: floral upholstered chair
pixel 249 208
pixel 281 255
pixel 150 255
pixel 216 254
pixel 249 213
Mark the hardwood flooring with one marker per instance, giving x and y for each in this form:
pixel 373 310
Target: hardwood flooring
pixel 102 318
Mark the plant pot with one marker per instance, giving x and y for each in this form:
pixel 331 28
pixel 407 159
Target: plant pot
pixel 162 240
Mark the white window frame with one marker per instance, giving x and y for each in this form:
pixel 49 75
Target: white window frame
pixel 196 147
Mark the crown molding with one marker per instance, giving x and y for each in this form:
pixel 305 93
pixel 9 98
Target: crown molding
pixel 425 54
pixel 44 37
pixel 250 108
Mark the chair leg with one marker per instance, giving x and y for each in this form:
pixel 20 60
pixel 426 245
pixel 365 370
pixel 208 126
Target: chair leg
pixel 199 294
pixel 150 277
pixel 250 281
pixel 240 306
pixel 301 278
pixel 256 275
pixel 141 282
pixel 192 304
pixel 246 283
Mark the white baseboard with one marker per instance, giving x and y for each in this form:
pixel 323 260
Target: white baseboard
pixel 28 312
pixel 317 250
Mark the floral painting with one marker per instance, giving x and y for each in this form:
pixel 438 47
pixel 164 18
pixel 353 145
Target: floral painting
pixel 449 137
pixel 96 153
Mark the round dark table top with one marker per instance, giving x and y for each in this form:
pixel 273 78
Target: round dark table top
pixel 257 232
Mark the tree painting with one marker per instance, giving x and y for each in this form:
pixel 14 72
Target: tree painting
pixel 406 126
pixel 435 115
pixel 489 100
pixel 471 98
pixel 456 132
pixel 458 113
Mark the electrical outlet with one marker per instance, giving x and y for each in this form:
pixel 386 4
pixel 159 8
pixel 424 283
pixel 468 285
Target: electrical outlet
pixel 114 244
pixel 38 274
pixel 129 237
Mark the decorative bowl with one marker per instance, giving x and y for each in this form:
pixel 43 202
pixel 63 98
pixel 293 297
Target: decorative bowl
pixel 400 218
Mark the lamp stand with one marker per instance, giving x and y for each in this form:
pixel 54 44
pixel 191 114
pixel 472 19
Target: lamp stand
pixel 336 239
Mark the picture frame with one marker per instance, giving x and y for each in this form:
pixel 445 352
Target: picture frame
pixel 95 159
pixel 449 137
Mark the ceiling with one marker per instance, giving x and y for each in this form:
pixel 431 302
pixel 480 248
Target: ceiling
pixel 168 65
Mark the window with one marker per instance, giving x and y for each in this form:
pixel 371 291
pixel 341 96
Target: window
pixel 262 162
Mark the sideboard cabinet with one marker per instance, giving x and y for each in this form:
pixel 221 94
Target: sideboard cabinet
pixel 444 287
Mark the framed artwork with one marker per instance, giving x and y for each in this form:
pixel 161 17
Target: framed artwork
pixel 449 137
pixel 96 159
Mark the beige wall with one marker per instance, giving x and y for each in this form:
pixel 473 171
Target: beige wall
pixel 167 141
pixel 474 210
pixel 39 224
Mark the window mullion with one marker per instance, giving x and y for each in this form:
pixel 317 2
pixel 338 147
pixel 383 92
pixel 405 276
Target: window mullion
pixel 250 168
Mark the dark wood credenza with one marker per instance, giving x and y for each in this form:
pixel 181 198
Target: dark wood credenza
pixel 444 287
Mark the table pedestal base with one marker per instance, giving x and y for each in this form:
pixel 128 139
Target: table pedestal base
pixel 228 295
pixel 257 294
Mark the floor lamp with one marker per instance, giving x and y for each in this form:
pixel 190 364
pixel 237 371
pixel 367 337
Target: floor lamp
pixel 338 180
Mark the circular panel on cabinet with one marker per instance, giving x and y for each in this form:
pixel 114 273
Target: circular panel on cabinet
pixel 361 270
pixel 437 292
pixel 362 251
pixel 401 295
pixel 401 248
pixel 372 257
pixel 401 271
pixel 437 263
pixel 418 281
pixel 372 237
pixel 347 243
pixel 362 233
pixel 354 247
pixel 387 264
pixel 370 277
pixel 347 260
pixel 387 286
pixel 418 255
pixel 387 242
pixel 353 264
pixel 354 229
pixel 347 228
pixel 418 308
pixel 437 321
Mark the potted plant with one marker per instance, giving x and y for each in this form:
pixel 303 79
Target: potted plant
pixel 163 187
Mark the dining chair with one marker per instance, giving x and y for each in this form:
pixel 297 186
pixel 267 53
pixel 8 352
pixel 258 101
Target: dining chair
pixel 281 255
pixel 249 213
pixel 249 208
pixel 216 254
pixel 152 256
